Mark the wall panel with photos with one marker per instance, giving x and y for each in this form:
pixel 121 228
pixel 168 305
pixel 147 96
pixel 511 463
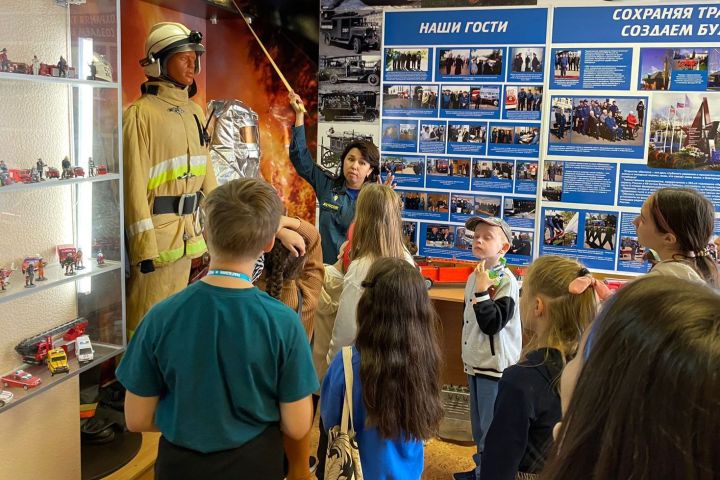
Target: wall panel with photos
pixel 562 131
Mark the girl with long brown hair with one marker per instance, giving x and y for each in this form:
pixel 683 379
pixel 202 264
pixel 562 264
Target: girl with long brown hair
pixel 645 405
pixel 396 373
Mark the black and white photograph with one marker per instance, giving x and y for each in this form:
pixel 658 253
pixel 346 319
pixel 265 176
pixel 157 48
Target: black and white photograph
pixel 348 106
pixel 349 72
pixel 346 32
pixel 332 140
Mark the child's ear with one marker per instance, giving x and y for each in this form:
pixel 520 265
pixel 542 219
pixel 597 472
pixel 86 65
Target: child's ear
pixel 269 246
pixel 539 307
pixel 670 238
pixel 505 247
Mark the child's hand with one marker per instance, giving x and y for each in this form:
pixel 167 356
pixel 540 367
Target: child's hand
pixel 482 278
pixel 292 240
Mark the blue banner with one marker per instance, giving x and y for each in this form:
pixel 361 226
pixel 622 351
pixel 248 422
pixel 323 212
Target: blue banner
pixel 637 24
pixel 466 27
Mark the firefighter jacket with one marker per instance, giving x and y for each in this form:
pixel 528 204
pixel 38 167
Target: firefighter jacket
pixel 166 163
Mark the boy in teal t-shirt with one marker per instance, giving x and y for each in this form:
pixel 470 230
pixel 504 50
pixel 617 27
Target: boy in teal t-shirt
pixel 221 368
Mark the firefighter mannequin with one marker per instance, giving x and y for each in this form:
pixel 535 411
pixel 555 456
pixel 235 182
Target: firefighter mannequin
pixel 167 170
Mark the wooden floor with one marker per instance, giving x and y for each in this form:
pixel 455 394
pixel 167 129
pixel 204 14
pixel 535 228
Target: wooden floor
pixel 442 459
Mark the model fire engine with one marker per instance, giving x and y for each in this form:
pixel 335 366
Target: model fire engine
pixel 34 350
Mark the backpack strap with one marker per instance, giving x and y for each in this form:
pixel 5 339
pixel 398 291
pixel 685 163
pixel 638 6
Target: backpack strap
pixel 347 404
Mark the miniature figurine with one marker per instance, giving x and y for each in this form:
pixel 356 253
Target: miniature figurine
pixel 35 65
pixel 93 71
pixel 69 264
pixel 34 175
pixel 29 275
pixel 40 165
pixel 4 61
pixel 67 171
pixel 92 170
pixel 3 282
pixel 3 167
pixel 40 266
pixel 62 67
pixel 79 260
pixel 100 258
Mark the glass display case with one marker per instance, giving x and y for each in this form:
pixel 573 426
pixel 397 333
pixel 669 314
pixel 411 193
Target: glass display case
pixel 61 237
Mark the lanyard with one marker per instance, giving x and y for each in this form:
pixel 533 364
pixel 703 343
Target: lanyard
pixel 228 273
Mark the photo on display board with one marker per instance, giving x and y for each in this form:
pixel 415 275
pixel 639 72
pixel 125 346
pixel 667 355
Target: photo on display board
pixel 670 68
pixel 409 233
pixel 552 191
pixel 526 171
pixel 348 106
pixel 561 228
pixel 714 69
pixel 631 250
pixel 517 135
pixel 553 171
pixel 402 165
pixel 473 98
pixel 523 98
pixel 515 209
pixel 406 60
pixel 684 132
pixel 349 72
pixel 407 97
pixel 521 244
pixel 493 169
pixel 439 235
pixel 471 205
pixel 466 133
pixel 346 30
pixel 596 121
pixel 600 229
pixel 462 241
pixel 567 64
pixel 526 59
pixel 333 138
pixel 451 167
pixel 432 132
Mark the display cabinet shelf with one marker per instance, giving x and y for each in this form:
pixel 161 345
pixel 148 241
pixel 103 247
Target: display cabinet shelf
pixel 103 352
pixel 50 183
pixel 55 275
pixel 75 82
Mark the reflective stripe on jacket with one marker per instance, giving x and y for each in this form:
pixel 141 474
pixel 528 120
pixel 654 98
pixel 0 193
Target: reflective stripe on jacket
pixel 164 154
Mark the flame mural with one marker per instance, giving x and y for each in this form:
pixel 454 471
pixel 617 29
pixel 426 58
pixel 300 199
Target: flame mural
pixel 234 67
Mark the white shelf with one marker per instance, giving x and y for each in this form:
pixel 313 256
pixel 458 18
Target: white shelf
pixel 56 182
pixel 75 82
pixel 55 275
pixel 102 352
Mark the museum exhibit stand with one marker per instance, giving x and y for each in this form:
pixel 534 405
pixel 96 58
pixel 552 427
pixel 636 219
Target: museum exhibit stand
pixel 61 258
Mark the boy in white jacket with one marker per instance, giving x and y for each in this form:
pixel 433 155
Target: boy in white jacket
pixel 492 334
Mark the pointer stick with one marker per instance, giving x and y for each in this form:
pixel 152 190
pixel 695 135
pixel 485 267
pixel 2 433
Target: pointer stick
pixel 272 62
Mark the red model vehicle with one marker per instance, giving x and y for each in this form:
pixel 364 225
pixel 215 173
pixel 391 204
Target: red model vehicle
pixel 22 379
pixel 78 171
pixel 52 172
pixel 20 176
pixel 101 170
pixel 34 350
pixel 434 272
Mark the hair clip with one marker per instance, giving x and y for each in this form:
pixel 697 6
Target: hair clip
pixel 584 281
pixel 702 252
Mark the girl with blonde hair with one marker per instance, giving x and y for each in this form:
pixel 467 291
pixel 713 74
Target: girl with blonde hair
pixel 559 301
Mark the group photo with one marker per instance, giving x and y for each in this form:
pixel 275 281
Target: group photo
pixel 439 236
pixel 597 120
pixel 402 165
pixel 404 97
pixel 406 60
pixel 448 166
pixel 600 231
pixel 432 132
pixel 526 171
pixel 476 205
pixel 428 202
pixel 521 244
pixel 567 64
pixel 465 62
pixel 523 98
pixel 518 135
pixel 493 169
pixel 526 59
pixel 466 133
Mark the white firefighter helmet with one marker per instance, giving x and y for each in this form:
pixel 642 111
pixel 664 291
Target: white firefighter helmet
pixel 165 39
pixel 102 68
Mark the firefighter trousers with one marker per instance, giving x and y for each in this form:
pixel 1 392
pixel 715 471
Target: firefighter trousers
pixel 147 289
